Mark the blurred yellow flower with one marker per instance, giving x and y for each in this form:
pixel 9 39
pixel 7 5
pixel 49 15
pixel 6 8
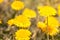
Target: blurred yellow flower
pixel 41 25
pixel 52 31
pixel 58 9
pixel 22 34
pixel 17 5
pixel 10 22
pixel 1 1
pixel 22 21
pixel 46 11
pixel 29 13
pixel 52 21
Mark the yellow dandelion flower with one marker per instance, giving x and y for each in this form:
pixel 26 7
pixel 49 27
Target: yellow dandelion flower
pixel 58 9
pixel 22 34
pixel 10 22
pixel 1 1
pixel 17 5
pixel 52 31
pixel 29 13
pixel 22 21
pixel 46 11
pixel 27 38
pixel 41 25
pixel 52 22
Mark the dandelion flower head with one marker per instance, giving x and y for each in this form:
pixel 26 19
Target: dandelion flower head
pixel 29 13
pixel 10 22
pixel 22 34
pixel 17 5
pixel 46 11
pixel 22 21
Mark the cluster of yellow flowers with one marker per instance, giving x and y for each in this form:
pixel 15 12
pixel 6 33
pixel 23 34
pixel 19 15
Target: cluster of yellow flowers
pixel 51 24
pixel 23 20
pixel 51 27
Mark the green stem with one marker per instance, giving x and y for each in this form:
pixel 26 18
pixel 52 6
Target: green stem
pixel 47 30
